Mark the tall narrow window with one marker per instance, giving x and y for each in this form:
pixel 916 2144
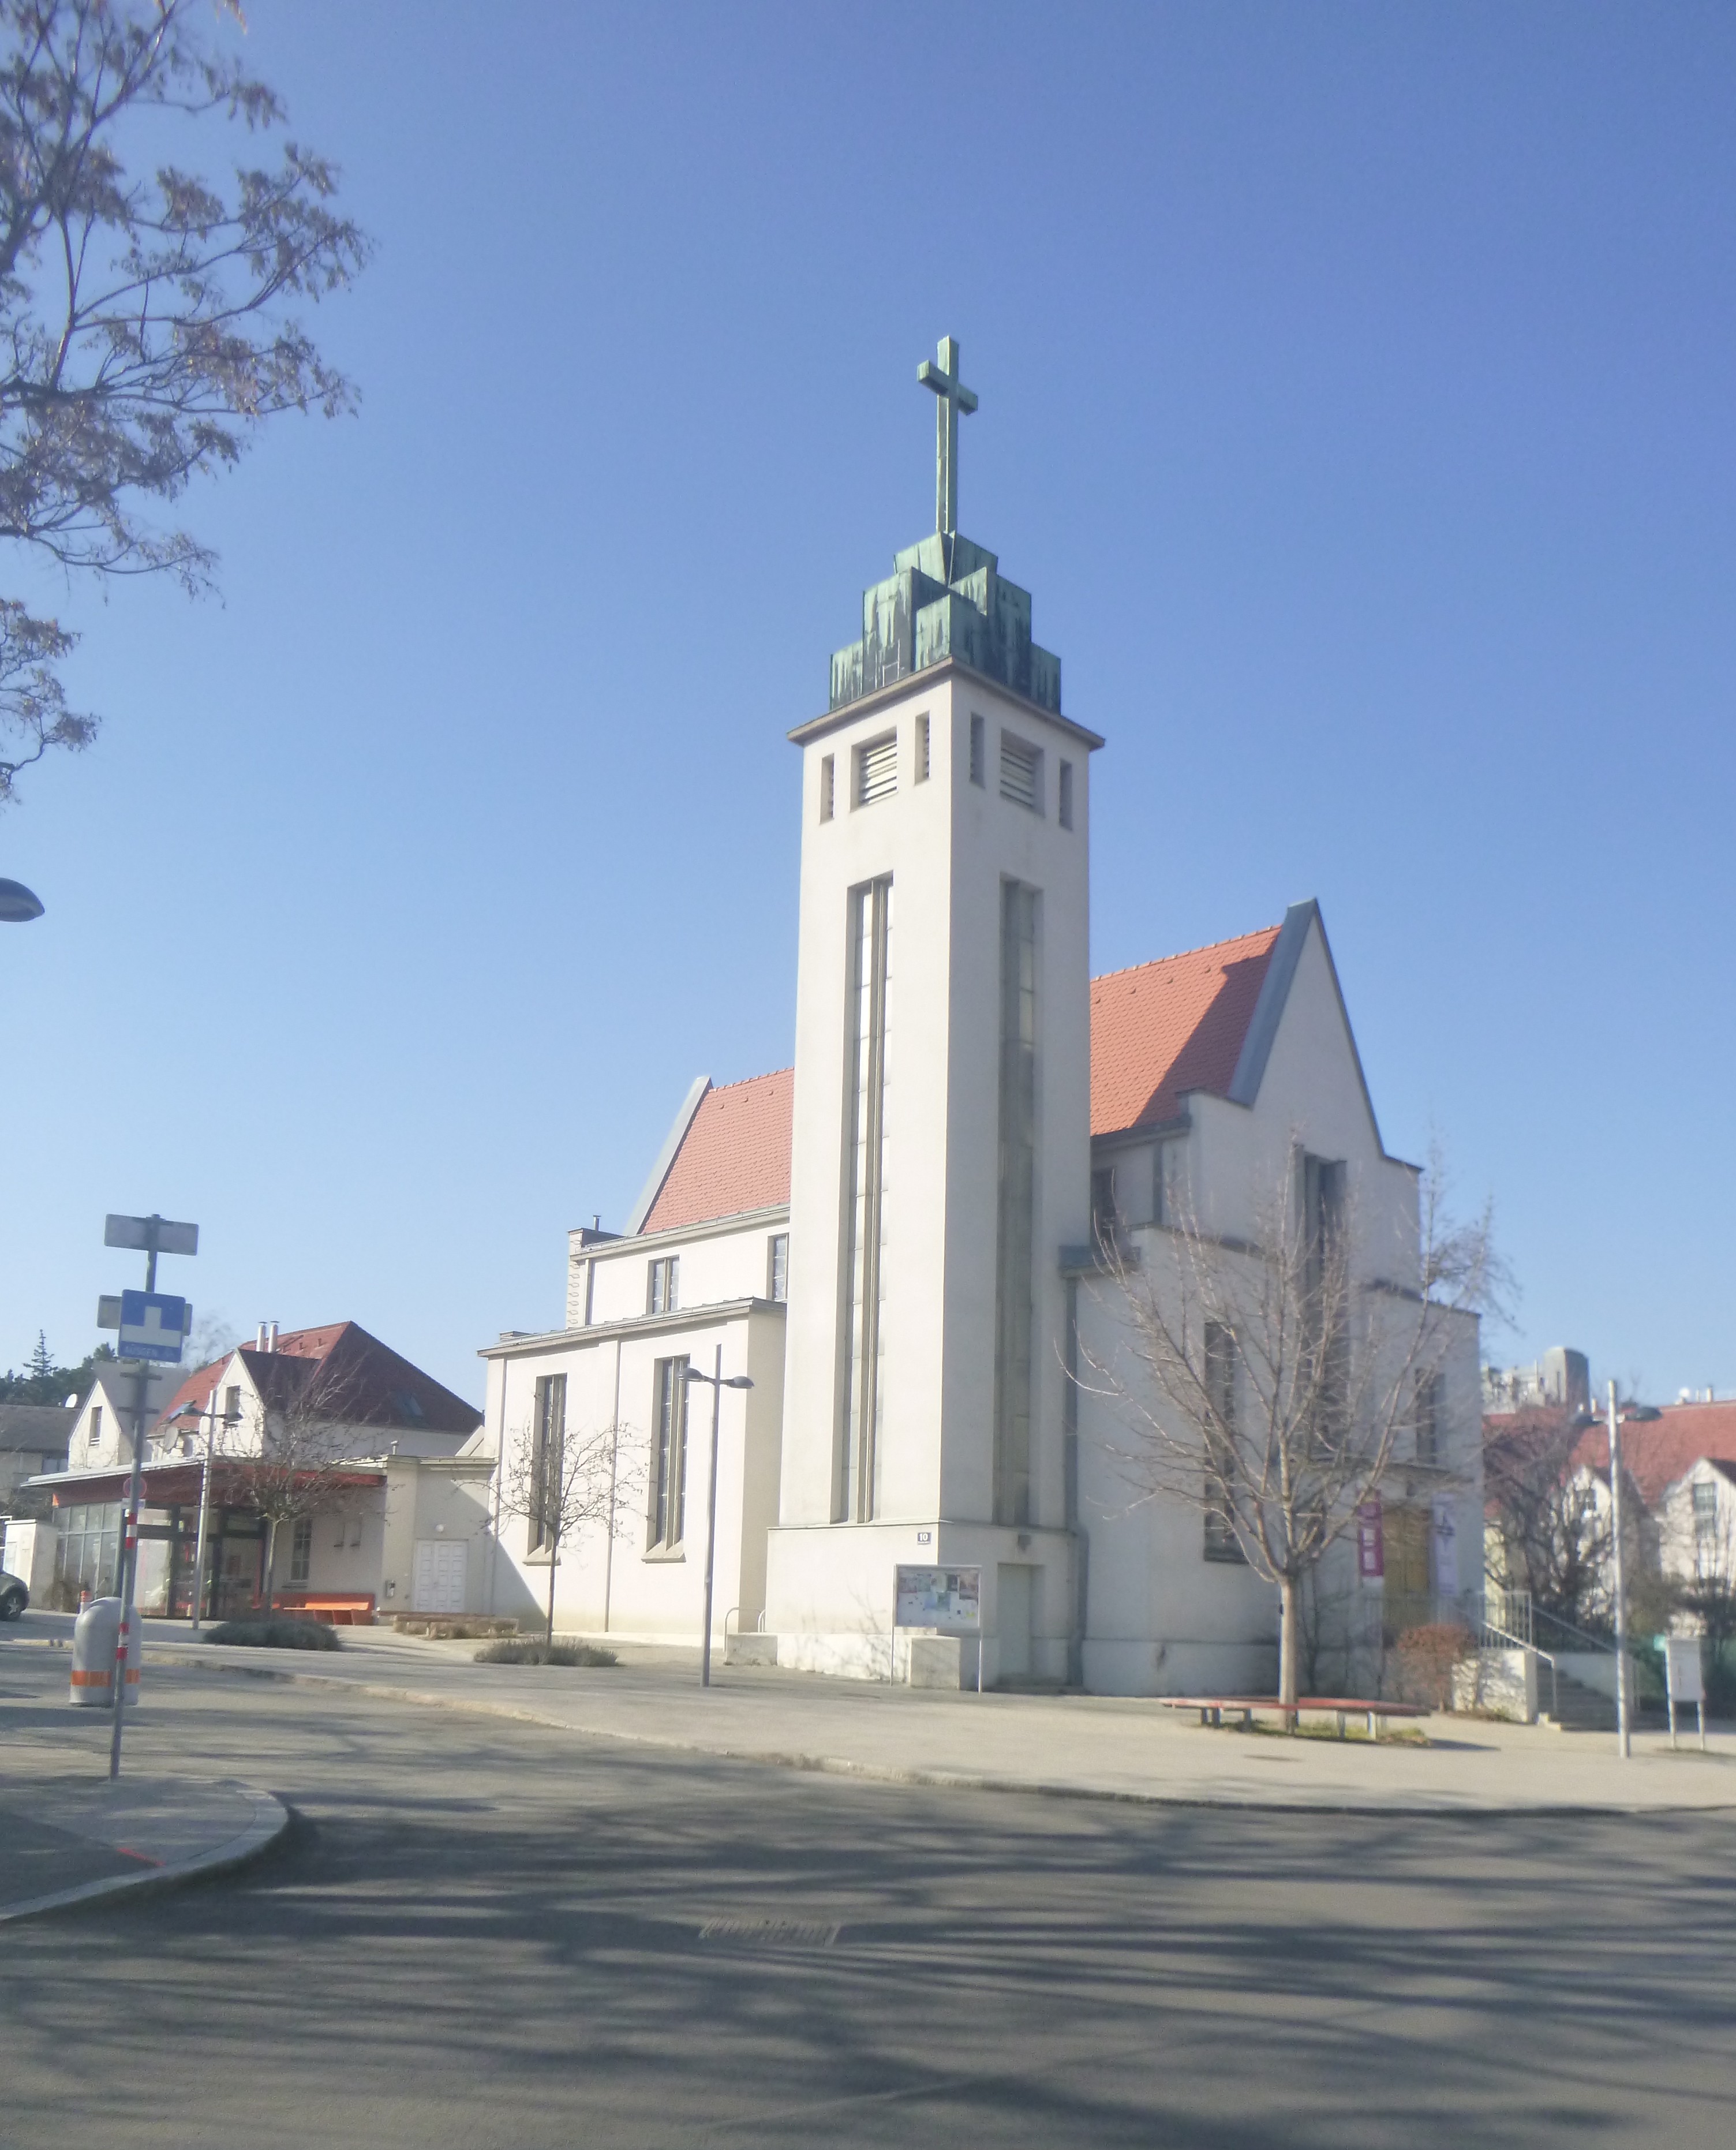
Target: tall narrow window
pixel 548 1440
pixel 1427 1418
pixel 1219 1369
pixel 232 1404
pixel 1020 773
pixel 96 1425
pixel 979 756
pixel 828 781
pixel 1016 1203
pixel 777 1267
pixel 862 1392
pixel 662 1283
pixel 668 1471
pixel 302 1550
pixel 922 749
pixel 1064 795
pixel 1326 1292
pixel 877 769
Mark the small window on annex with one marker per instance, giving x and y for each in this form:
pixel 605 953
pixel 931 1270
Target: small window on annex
pixel 96 1425
pixel 668 1457
pixel 662 1284
pixel 777 1266
pixel 979 757
pixel 1105 1219
pixel 302 1550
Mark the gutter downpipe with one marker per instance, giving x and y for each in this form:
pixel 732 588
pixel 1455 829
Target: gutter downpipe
pixel 614 1452
pixel 500 1465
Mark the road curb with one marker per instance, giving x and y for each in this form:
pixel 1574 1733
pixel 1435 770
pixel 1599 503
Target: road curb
pixel 268 1820
pixel 931 1780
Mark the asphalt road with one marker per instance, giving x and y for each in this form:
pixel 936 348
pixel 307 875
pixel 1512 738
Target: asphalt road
pixel 478 1934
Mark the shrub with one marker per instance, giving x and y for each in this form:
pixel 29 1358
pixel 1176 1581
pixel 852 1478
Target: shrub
pixel 545 1653
pixel 281 1632
pixel 1427 1656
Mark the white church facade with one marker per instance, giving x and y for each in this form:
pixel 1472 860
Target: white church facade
pixel 916 1243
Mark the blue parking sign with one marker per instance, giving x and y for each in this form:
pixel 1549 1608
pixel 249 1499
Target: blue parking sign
pixel 153 1325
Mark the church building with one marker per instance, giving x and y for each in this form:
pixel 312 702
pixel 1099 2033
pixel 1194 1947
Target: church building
pixel 916 1243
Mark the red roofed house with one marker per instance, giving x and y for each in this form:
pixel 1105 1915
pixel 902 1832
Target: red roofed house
pixel 404 1517
pixel 897 1241
pixel 1682 1465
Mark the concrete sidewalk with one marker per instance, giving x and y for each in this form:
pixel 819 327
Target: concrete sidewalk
pixel 68 1839
pixel 1085 1746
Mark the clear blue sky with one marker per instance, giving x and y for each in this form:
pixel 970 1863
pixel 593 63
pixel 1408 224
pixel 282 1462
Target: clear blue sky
pixel 1356 400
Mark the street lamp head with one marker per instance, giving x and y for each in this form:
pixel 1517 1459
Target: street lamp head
pixel 19 905
pixel 738 1381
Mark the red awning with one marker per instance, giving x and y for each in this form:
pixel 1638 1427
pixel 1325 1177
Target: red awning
pixel 176 1485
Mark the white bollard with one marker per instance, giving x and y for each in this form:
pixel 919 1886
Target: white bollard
pixel 96 1638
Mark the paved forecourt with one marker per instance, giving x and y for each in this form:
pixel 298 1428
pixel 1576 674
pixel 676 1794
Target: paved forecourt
pixel 1087 1745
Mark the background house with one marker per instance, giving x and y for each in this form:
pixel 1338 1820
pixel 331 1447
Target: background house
pixel 359 1455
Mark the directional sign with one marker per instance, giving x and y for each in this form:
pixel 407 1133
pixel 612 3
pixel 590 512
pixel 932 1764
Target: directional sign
pixel 153 1325
pixel 151 1235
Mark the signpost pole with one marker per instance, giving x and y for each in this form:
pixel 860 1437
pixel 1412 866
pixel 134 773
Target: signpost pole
pixel 130 1527
pixel 149 1340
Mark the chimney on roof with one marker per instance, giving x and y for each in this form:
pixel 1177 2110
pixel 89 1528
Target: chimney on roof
pixel 271 1339
pixel 259 1344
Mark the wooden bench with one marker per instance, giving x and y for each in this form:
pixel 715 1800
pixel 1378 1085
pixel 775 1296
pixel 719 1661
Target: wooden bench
pixel 337 1608
pixel 1212 1707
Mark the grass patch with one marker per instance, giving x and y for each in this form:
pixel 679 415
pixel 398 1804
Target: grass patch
pixel 276 1633
pixel 545 1653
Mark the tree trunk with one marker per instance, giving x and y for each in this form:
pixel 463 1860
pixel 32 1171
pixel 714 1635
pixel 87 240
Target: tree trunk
pixel 554 1563
pixel 1288 1639
pixel 271 1554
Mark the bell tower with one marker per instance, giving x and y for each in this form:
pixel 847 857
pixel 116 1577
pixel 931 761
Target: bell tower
pixel 941 1153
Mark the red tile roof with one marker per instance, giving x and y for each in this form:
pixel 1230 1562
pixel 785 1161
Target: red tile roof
pixel 734 1156
pixel 1156 1031
pixel 362 1380
pixel 1164 1028
pixel 1656 1453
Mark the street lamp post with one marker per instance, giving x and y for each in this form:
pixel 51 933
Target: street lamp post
pixel 1623 1745
pixel 718 1385
pixel 1618 1420
pixel 210 1418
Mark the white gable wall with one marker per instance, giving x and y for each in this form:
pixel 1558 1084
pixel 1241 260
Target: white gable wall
pixel 1161 1617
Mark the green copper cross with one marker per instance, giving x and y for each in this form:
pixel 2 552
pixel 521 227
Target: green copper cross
pixel 954 397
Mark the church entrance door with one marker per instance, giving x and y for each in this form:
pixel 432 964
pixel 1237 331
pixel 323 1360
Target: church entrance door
pixel 1013 1589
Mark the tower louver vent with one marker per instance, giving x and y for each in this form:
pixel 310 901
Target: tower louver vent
pixel 1019 767
pixel 877 770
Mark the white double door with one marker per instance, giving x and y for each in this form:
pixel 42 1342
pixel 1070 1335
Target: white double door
pixel 438 1585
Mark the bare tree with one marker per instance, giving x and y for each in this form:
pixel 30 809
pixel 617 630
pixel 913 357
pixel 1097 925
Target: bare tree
pixel 296 1461
pixel 559 1479
pixel 1553 1527
pixel 143 325
pixel 1275 1378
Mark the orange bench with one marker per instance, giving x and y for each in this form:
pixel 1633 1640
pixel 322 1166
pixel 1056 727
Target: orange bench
pixel 1212 1707
pixel 337 1608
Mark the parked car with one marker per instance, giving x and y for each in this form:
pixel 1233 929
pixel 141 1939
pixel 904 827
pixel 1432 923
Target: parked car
pixel 14 1595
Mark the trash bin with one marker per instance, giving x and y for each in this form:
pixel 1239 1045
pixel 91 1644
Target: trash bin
pixel 96 1637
